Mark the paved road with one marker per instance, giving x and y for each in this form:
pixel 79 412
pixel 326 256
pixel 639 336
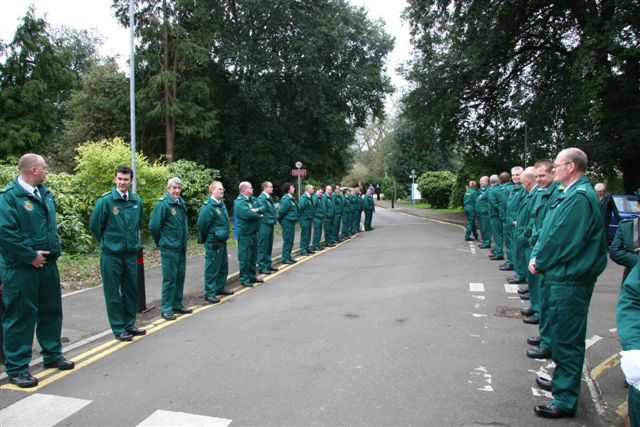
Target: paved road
pixel 400 326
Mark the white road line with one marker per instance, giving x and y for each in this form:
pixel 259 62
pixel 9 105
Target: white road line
pixel 479 297
pixel 162 418
pixel 476 287
pixel 613 330
pixel 479 315
pixel 591 341
pixel 541 393
pixel 482 371
pixel 40 410
pixel 511 289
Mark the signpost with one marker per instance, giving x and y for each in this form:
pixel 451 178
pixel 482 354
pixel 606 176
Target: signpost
pixel 299 172
pixel 413 177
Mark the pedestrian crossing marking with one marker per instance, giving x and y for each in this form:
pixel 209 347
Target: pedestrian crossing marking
pixel 40 410
pixel 479 315
pixel 476 287
pixel 591 341
pixel 511 289
pixel 541 393
pixel 162 418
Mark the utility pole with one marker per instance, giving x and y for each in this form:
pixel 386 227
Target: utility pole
pixel 413 177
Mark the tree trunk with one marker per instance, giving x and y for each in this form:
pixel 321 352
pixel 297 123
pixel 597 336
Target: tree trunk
pixel 169 134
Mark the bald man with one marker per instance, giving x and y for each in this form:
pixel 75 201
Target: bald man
pixel 29 248
pixel 248 215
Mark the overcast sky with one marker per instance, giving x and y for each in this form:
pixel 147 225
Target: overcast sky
pixel 97 15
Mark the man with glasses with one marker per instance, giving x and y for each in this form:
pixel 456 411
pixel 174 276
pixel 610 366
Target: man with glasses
pixel 571 253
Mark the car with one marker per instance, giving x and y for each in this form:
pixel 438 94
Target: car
pixel 627 205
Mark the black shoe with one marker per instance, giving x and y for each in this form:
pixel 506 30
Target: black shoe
pixel 496 257
pixel 507 267
pixel 256 280
pixel 212 299
pixel 531 320
pixel 551 411
pixel 62 364
pixel 468 239
pixel 224 293
pixel 267 272
pixel 523 291
pixel 136 332
pixel 183 310
pixel 539 353
pixel 273 268
pixel 485 246
pixel 534 340
pixel 247 285
pixel 168 316
pixel 125 336
pixel 312 251
pixel 525 296
pixel 543 383
pixel 516 281
pixel 526 311
pixel 25 380
pixel 289 261
pixel 504 264
pixel 475 237
pixel 329 245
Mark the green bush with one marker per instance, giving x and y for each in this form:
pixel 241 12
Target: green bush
pixel 436 188
pixel 195 184
pixel 7 174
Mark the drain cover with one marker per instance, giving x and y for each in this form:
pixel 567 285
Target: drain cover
pixel 513 312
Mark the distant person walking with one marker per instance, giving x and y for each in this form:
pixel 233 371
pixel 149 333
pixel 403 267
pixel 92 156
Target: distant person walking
pixel 607 204
pixel 369 209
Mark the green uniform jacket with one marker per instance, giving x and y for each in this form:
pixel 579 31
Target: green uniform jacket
pixel 628 311
pixel 572 248
pixel 169 225
pixel 329 208
pixel 318 207
pixel 348 208
pixel 359 202
pixel 482 203
pixel 493 202
pixel 369 205
pixel 269 213
pixel 469 199
pixel 27 224
pixel 305 207
pixel 513 203
pixel 623 248
pixel 248 221
pixel 288 209
pixel 338 203
pixel 213 223
pixel 524 226
pixel 116 223
pixel 540 206
pixel 503 198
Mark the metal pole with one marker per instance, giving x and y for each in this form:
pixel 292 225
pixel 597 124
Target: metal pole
pixel 526 153
pixel 393 200
pixel 299 185
pixel 132 93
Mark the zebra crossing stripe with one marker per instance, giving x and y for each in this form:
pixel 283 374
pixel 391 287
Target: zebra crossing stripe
pixel 476 287
pixel 40 410
pixel 162 418
pixel 511 289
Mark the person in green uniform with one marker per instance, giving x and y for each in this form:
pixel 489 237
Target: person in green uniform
pixel 511 197
pixel 571 253
pixel 482 212
pixel 329 215
pixel 494 218
pixel 115 222
pixel 628 322
pixel 29 248
pixel 213 233
pixel 305 208
pixel 522 232
pixel 248 219
pixel 546 194
pixel 265 232
pixel 318 219
pixel 469 203
pixel 169 227
pixel 338 203
pixel 347 214
pixel 369 208
pixel 287 217
pixel 622 249
pixel 356 203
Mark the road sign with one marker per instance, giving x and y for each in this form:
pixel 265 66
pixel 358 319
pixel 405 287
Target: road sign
pixel 298 164
pixel 298 172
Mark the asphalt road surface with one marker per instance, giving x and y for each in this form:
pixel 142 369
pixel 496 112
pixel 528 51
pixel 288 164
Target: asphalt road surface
pixel 404 325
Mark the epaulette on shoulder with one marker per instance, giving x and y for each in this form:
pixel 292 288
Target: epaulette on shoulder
pixel 206 202
pixel 161 198
pixel 581 187
pixel 7 188
pixel 105 194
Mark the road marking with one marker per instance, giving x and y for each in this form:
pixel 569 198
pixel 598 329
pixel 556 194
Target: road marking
pixel 178 419
pixel 611 362
pixel 622 409
pixel 476 287
pixel 480 297
pixel 479 315
pixel 591 341
pixel 541 393
pixel 472 248
pixel 511 289
pixel 482 371
pixel 596 396
pixel 613 330
pixel 433 220
pixel 41 410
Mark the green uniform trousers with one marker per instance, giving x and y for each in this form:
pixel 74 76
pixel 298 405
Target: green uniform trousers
pixel 329 237
pixel 471 228
pixel 337 220
pixel 533 281
pixel 174 265
pixel 509 241
pixel 368 218
pixel 216 269
pixel 265 246
pixel 355 225
pixel 485 229
pixel 568 310
pixel 305 235
pixel 32 300
pixel 633 403
pixel 543 308
pixel 496 233
pixel 346 225
pixel 317 233
pixel 521 256
pixel 119 283
pixel 288 235
pixel 247 258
